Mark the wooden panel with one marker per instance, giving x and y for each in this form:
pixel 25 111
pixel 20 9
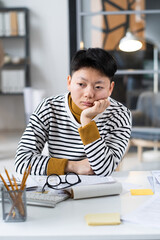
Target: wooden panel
pixel 109 29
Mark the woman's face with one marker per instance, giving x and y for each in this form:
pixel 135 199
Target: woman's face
pixel 88 85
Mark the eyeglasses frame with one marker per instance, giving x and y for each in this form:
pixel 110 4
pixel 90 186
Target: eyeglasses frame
pixel 61 182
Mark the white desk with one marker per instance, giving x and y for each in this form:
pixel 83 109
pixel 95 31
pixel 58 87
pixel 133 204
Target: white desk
pixel 66 221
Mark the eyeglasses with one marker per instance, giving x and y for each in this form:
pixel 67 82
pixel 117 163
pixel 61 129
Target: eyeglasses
pixel 53 181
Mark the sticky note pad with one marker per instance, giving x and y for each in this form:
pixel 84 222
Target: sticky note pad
pixel 141 192
pixel 103 219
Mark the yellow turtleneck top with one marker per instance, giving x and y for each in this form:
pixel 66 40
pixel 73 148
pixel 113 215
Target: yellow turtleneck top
pixel 88 134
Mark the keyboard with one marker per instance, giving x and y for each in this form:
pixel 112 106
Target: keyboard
pixel 44 199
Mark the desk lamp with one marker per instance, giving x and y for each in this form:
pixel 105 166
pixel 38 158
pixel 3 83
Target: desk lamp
pixel 129 43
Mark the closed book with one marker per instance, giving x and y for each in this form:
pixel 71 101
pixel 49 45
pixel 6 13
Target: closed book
pixel 21 81
pixel 7 26
pixel 21 24
pixel 95 190
pixel 12 81
pixel 14 23
pixel 5 81
pixel 1 24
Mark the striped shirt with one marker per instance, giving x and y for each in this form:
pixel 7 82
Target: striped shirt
pixel 53 122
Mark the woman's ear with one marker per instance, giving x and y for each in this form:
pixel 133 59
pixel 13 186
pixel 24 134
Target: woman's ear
pixel 111 88
pixel 69 82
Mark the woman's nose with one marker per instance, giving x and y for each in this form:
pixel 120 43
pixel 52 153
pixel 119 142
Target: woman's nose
pixel 89 92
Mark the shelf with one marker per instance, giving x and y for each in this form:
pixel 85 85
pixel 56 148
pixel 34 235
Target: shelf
pixel 14 66
pixel 15 76
pixel 13 37
pixel 11 94
pixel 17 9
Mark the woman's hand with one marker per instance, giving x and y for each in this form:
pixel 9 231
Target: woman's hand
pixel 98 107
pixel 80 167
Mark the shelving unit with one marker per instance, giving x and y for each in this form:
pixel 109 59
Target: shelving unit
pixel 17 75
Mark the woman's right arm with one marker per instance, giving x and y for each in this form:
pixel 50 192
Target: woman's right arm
pixel 30 147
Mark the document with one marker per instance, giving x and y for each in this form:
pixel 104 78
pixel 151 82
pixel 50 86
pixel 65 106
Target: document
pixel 156 174
pixel 93 179
pixel 148 214
pixel 154 181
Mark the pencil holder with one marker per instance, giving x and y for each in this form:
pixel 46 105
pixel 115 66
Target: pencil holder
pixel 14 205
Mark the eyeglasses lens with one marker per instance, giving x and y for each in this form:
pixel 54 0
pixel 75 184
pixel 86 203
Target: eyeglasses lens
pixel 54 180
pixel 72 178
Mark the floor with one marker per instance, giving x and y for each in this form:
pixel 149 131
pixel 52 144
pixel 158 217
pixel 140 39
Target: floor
pixel 9 142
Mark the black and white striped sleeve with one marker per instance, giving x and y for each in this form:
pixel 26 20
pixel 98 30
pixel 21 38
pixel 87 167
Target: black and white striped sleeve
pixel 105 153
pixel 30 148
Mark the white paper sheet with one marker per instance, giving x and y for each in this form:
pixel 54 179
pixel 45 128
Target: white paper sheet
pixel 148 214
pixel 127 186
pixel 93 179
pixel 89 180
pixel 156 174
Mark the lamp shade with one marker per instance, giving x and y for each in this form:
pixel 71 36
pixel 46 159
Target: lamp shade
pixel 129 43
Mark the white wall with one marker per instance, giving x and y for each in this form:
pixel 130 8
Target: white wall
pixel 49 49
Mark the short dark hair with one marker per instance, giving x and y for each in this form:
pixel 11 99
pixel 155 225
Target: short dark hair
pixel 96 58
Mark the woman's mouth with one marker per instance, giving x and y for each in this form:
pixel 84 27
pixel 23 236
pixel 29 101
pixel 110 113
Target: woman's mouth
pixel 87 104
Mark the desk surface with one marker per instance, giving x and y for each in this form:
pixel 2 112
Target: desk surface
pixel 66 220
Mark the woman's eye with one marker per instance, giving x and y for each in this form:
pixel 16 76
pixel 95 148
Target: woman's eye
pixel 81 84
pixel 98 87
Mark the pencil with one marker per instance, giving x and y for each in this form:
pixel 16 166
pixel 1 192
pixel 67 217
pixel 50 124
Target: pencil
pixel 9 179
pixel 25 178
pixel 15 183
pixel 19 199
pixel 5 184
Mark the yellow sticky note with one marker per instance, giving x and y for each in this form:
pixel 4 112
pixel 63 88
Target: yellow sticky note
pixel 141 192
pixel 103 219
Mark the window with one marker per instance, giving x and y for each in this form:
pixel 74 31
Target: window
pixel 102 23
